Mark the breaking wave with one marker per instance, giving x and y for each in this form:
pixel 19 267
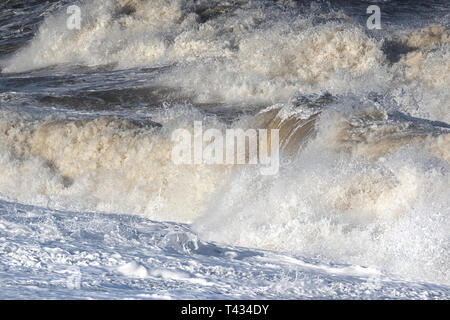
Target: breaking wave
pixel 363 122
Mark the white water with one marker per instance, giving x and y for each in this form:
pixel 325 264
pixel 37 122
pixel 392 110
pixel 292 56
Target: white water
pixel 365 189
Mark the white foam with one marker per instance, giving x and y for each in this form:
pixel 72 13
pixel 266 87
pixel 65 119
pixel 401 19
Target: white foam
pixel 388 213
pixel 254 53
pixel 369 192
pixel 103 164
pixel 133 270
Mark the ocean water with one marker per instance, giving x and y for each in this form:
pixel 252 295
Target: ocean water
pixel 92 205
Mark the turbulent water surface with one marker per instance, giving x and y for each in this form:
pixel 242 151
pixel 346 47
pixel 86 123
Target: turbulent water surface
pixel 92 205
